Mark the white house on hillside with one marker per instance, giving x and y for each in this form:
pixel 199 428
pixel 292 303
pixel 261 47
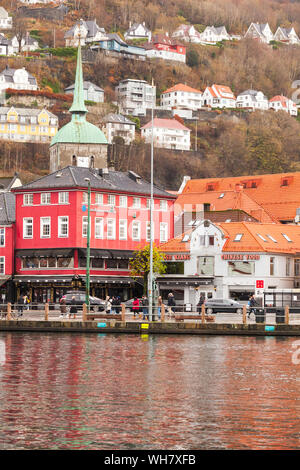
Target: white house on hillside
pixel 18 79
pixel 135 96
pixel 260 31
pixel 168 133
pixel 87 31
pixel 218 96
pixel 138 31
pixel 213 34
pixel 181 96
pixel 91 92
pixel 282 103
pixel 187 33
pixel 5 19
pixel 252 99
pixel 286 35
pixel 116 125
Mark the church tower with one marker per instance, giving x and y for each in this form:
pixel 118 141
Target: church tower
pixel 78 143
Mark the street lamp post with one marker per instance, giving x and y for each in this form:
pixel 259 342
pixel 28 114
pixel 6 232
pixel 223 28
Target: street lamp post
pixel 150 283
pixel 87 294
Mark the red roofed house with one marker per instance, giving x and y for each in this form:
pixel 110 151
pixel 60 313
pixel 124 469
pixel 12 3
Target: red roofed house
pixel 181 96
pixel 163 47
pixel 168 133
pixel 231 261
pixel 282 103
pixel 218 96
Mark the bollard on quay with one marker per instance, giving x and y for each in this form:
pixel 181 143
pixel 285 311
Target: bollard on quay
pixel 46 311
pixel 84 312
pixel 245 314
pixel 162 313
pixel 203 313
pixel 123 312
pixel 287 314
pixel 9 311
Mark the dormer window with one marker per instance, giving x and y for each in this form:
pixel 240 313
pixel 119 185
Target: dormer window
pixel 238 237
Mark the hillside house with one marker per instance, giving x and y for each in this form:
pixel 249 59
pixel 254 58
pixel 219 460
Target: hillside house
pixel 282 103
pixel 167 133
pixel 87 31
pixel 116 125
pixel 252 99
pixel 135 96
pixel 5 19
pixel 163 47
pixel 113 44
pixel 218 96
pixel 181 96
pixel 187 33
pixel 17 79
pixel 213 34
pixel 138 31
pixel 91 92
pixel 262 32
pixel 286 35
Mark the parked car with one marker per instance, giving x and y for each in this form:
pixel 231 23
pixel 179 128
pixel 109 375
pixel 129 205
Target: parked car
pixel 80 298
pixel 223 306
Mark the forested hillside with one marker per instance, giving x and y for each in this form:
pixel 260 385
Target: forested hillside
pixel 227 143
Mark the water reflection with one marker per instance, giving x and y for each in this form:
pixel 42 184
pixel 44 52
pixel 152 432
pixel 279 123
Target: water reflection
pixel 60 391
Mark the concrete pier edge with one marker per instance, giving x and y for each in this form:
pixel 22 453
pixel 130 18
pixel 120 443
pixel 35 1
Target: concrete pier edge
pixel 113 326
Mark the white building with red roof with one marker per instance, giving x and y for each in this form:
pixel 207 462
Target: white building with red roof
pixel 181 96
pixel 187 33
pixel 166 48
pixel 167 133
pixel 282 103
pixel 218 96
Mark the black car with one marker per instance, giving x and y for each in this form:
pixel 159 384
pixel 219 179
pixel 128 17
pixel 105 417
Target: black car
pixel 80 298
pixel 223 306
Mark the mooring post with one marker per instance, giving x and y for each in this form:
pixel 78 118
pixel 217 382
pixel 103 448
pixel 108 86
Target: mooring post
pixel 287 314
pixel 162 313
pixel 46 311
pixel 9 311
pixel 245 314
pixel 203 313
pixel 123 312
pixel 84 312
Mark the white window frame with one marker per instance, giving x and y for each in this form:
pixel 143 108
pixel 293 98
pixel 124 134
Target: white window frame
pixel 85 198
pixel 28 199
pixel 45 199
pixel 26 224
pixel 63 197
pixel 136 225
pixel 122 229
pixel 111 200
pixel 2 264
pixel 99 199
pixel 99 223
pixel 84 226
pixel 2 236
pixel 44 224
pixel 136 203
pixel 148 231
pixel 163 229
pixel 112 222
pixel 60 224
pixel 122 201
pixel 163 205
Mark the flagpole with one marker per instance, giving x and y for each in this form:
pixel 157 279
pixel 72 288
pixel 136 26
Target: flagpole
pixel 150 284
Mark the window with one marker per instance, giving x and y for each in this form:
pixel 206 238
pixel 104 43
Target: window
pixel 111 229
pixel 271 238
pixel 286 237
pixel 63 226
pixel 211 240
pixel 123 229
pixel 85 198
pixel 2 264
pixel 163 232
pixel 136 230
pixel 28 199
pixel 149 203
pixel 45 227
pixel 84 226
pixel 148 231
pixel 98 227
pixel 99 199
pixel 288 267
pixel 63 198
pixel 297 267
pixel 45 198
pixel 185 238
pixel 2 236
pixel 238 237
pixel 136 202
pixel 205 265
pixel 260 236
pixel 272 266
pixel 239 268
pixel 27 227
pixel 123 201
pixel 111 199
pixel 163 205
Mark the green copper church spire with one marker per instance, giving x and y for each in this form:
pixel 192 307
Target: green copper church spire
pixel 78 106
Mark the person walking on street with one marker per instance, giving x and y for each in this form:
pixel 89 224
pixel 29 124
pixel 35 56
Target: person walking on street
pixel 159 304
pixel 252 305
pixel 20 306
pixel 200 303
pixel 108 305
pixel 171 304
pixel 136 307
pixel 145 307
pixel 73 309
pixel 63 307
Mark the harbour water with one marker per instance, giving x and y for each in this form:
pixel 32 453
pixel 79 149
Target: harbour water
pixel 126 392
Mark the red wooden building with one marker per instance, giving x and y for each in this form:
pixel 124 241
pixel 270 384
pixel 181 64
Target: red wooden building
pixel 51 231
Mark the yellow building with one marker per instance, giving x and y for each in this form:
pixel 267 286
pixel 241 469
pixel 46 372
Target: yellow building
pixel 27 125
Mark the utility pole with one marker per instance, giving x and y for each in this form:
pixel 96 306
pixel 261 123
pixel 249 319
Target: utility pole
pixel 87 294
pixel 150 280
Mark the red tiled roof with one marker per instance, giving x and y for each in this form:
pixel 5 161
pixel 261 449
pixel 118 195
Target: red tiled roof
pixel 282 99
pixel 166 124
pixel 182 87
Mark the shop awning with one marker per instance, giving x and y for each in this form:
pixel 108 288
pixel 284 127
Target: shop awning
pixel 3 279
pixel 43 279
pixel 184 281
pixel 50 253
pixel 110 254
pixel 112 280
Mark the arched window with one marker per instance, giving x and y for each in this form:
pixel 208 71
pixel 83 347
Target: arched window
pixel 74 160
pixel 92 161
